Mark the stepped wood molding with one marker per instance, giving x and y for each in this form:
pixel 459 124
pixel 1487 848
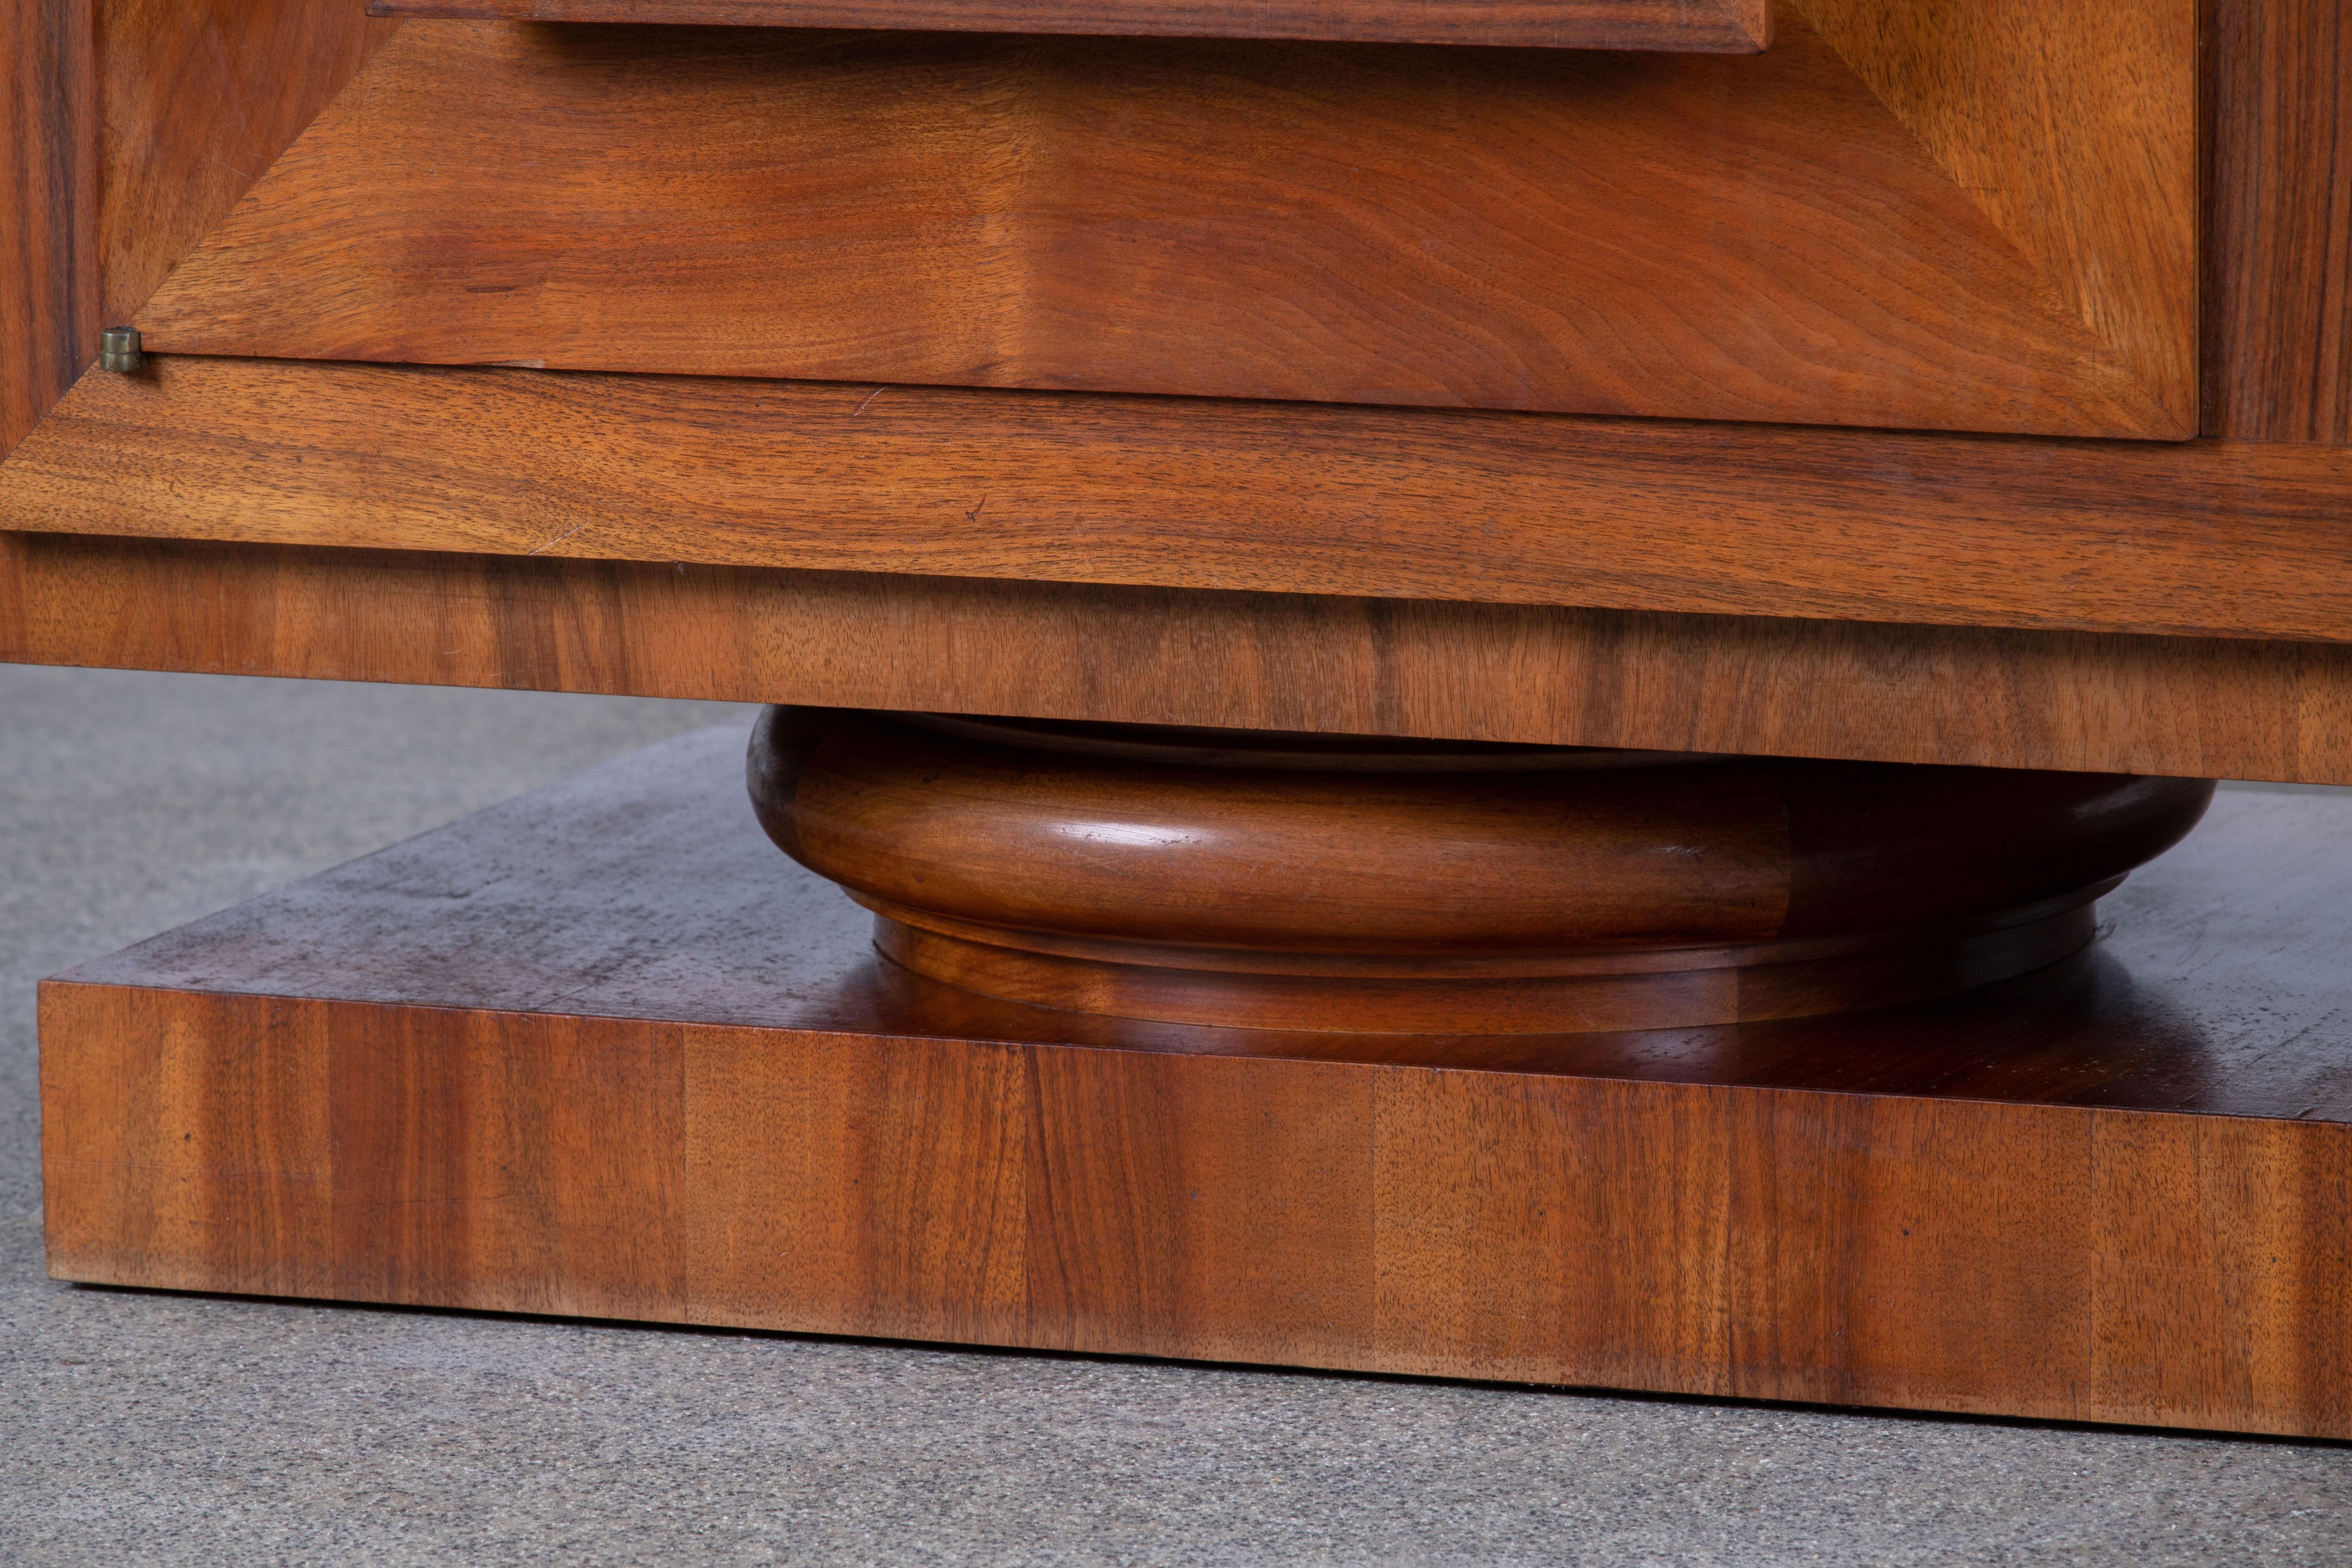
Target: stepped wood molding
pixel 1955 382
pixel 2195 538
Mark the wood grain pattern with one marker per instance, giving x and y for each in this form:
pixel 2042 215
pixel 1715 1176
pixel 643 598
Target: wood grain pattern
pixel 2189 706
pixel 2114 1191
pixel 1702 26
pixel 1237 880
pixel 48 273
pixel 1991 227
pixel 2103 200
pixel 2196 539
pixel 2278 325
pixel 571 1195
pixel 199 98
pixel 227 1131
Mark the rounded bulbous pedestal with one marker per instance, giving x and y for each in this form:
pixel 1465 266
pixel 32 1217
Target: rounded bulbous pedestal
pixel 1285 881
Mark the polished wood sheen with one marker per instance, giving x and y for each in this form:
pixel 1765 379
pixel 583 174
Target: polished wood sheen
pixel 49 273
pixel 2278 327
pixel 2114 1190
pixel 1704 27
pixel 2068 700
pixel 2190 539
pixel 1241 878
pixel 1987 223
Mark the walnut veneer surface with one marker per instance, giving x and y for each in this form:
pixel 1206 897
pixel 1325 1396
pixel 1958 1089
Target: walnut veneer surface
pixel 1987 223
pixel 2113 1191
pixel 2193 707
pixel 2197 538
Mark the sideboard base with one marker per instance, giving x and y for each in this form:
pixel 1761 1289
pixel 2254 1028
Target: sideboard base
pixel 602 1051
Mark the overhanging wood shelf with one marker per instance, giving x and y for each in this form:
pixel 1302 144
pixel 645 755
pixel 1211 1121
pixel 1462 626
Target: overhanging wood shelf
pixel 2203 539
pixel 1701 27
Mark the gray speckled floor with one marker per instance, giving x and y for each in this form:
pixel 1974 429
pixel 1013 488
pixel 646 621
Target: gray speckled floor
pixel 164 1429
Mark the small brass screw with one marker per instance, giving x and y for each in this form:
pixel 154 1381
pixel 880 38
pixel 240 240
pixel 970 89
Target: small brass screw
pixel 118 351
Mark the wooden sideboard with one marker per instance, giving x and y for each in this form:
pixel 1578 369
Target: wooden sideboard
pixel 1284 426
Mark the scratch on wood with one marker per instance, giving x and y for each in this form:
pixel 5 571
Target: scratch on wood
pixel 558 538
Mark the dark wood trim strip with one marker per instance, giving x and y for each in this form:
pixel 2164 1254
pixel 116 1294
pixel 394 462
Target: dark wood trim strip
pixel 49 174
pixel 2278 328
pixel 1684 27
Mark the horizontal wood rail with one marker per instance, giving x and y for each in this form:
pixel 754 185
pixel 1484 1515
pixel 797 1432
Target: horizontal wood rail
pixel 2209 539
pixel 2192 707
pixel 1684 27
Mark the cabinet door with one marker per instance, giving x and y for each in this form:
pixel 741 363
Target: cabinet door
pixel 1975 215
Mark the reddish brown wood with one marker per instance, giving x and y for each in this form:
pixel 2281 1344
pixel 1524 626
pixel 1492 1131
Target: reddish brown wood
pixel 1704 27
pixel 1492 672
pixel 571 1195
pixel 2204 538
pixel 48 273
pixel 1989 226
pixel 199 99
pixel 2114 1191
pixel 2278 326
pixel 131 127
pixel 204 1164
pixel 1242 879
pixel 2195 538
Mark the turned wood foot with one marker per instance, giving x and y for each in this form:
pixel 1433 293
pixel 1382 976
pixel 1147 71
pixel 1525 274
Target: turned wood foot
pixel 1288 881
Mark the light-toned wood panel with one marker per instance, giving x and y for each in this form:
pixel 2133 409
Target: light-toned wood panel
pixel 2178 706
pixel 2278 325
pixel 2192 539
pixel 198 98
pixel 48 270
pixel 1194 1233
pixel 1826 233
pixel 1704 27
pixel 1736 1244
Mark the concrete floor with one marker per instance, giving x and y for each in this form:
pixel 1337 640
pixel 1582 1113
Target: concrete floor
pixel 164 1429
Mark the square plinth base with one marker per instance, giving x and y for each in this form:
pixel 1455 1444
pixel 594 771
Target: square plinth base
pixel 604 1051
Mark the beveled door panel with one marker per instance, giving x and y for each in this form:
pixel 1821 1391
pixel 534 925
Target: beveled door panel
pixel 1982 224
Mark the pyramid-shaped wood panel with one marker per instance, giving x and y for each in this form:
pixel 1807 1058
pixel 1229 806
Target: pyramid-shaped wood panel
pixel 1865 224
